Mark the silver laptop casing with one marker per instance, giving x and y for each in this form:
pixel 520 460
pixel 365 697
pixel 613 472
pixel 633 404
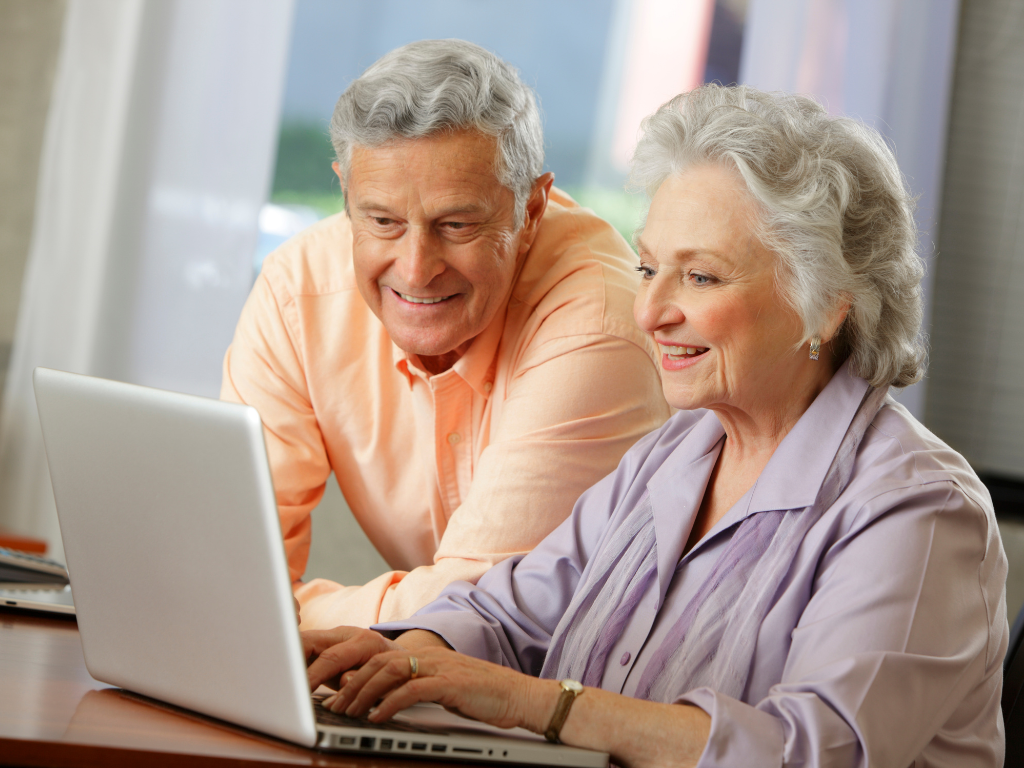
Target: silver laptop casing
pixel 174 549
pixel 181 586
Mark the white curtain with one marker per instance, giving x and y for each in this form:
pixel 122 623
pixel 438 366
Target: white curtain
pixel 158 154
pixel 887 62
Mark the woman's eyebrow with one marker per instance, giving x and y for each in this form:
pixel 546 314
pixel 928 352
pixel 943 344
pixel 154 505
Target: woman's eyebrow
pixel 682 254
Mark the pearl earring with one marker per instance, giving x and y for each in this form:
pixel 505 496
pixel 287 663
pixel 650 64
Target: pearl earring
pixel 815 347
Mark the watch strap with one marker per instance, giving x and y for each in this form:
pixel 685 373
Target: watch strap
pixel 570 690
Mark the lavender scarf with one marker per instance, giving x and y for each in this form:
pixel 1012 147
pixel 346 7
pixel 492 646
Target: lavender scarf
pixel 712 642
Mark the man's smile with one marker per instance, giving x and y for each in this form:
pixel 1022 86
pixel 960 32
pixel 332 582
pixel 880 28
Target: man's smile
pixel 420 299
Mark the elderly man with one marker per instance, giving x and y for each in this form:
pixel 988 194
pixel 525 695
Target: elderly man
pixel 458 346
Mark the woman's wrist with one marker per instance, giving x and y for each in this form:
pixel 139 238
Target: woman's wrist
pixel 538 701
pixel 421 638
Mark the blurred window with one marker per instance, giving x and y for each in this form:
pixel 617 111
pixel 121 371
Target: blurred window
pixel 598 67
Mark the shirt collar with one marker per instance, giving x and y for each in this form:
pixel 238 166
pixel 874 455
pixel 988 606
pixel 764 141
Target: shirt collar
pixel 677 489
pixel 476 367
pixel 796 470
pixel 790 480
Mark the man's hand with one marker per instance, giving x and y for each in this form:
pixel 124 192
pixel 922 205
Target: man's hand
pixel 332 652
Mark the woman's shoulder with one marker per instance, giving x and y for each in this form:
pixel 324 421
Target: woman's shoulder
pixel 899 457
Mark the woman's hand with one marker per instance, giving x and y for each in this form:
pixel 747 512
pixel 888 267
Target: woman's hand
pixel 470 687
pixel 331 652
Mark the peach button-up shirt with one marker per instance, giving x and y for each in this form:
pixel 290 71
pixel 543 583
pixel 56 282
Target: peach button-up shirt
pixel 447 474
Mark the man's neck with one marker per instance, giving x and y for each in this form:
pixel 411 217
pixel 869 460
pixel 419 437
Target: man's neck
pixel 435 364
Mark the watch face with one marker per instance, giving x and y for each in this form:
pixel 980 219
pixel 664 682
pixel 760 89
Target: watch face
pixel 572 685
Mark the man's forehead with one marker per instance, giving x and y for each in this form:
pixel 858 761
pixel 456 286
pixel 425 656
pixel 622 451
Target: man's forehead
pixel 455 170
pixel 464 146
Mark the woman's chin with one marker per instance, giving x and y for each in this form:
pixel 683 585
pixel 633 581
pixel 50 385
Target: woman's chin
pixel 684 400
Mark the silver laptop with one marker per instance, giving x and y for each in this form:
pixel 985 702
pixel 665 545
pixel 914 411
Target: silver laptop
pixel 34 583
pixel 181 587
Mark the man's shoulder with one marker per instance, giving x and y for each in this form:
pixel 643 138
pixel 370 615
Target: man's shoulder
pixel 570 239
pixel 581 270
pixel 317 261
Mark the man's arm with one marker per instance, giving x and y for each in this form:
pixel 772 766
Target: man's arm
pixel 262 368
pixel 569 416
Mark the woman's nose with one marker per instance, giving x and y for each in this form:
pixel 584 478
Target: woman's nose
pixel 654 307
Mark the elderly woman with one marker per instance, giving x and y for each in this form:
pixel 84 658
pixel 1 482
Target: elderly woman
pixel 792 570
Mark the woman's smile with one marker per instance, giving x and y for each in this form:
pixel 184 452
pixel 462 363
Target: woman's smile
pixel 676 357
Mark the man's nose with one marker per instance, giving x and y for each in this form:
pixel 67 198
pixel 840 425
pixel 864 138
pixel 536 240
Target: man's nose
pixel 420 259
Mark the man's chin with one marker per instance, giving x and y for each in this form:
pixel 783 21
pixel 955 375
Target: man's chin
pixel 428 350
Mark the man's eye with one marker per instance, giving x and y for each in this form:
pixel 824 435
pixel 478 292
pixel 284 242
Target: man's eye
pixel 382 221
pixel 456 224
pixel 646 273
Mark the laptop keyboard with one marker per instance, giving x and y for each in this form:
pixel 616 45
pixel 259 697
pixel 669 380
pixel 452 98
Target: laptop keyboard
pixel 325 716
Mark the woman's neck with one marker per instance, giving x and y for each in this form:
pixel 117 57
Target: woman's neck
pixel 752 435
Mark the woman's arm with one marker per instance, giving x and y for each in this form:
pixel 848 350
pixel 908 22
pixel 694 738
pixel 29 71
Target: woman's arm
pixel 638 734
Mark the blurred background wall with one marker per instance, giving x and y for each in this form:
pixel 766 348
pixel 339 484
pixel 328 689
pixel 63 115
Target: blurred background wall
pixel 154 151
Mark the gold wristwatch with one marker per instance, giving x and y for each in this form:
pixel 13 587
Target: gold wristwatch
pixel 570 690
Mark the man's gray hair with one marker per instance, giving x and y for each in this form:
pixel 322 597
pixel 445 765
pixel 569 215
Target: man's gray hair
pixel 433 86
pixel 833 206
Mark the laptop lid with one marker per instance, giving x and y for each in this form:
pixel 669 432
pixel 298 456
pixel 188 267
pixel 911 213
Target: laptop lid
pixel 175 554
pixel 174 549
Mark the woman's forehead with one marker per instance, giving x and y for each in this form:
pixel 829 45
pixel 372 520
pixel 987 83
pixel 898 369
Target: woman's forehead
pixel 704 210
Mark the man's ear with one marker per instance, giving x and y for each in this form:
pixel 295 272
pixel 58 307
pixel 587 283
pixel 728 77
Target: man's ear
pixel 536 204
pixel 337 172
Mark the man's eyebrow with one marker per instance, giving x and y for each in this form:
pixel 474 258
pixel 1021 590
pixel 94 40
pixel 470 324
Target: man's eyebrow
pixel 372 205
pixel 467 208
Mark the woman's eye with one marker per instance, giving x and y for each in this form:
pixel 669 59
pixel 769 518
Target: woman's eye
pixel 646 273
pixel 699 279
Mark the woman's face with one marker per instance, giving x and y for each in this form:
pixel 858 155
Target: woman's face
pixel 709 299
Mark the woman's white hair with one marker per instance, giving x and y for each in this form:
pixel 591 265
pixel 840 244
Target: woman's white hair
pixel 834 208
pixel 432 86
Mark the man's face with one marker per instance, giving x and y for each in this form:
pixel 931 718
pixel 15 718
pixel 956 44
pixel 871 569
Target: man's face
pixel 435 246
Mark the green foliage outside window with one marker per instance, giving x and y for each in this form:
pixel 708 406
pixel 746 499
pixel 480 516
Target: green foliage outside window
pixel 303 176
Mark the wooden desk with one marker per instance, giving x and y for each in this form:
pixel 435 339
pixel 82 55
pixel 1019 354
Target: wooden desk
pixel 52 713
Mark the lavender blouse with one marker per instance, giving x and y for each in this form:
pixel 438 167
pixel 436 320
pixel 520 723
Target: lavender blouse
pixel 885 644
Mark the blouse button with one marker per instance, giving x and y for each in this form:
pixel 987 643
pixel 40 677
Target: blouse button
pixel 625 659
pixel 488 386
pixel 454 437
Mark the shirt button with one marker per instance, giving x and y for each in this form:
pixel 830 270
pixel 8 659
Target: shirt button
pixel 625 659
pixel 488 386
pixel 454 437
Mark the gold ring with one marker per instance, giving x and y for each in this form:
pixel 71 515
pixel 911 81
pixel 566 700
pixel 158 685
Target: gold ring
pixel 414 667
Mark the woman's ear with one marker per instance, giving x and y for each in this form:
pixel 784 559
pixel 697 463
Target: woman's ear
pixel 836 319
